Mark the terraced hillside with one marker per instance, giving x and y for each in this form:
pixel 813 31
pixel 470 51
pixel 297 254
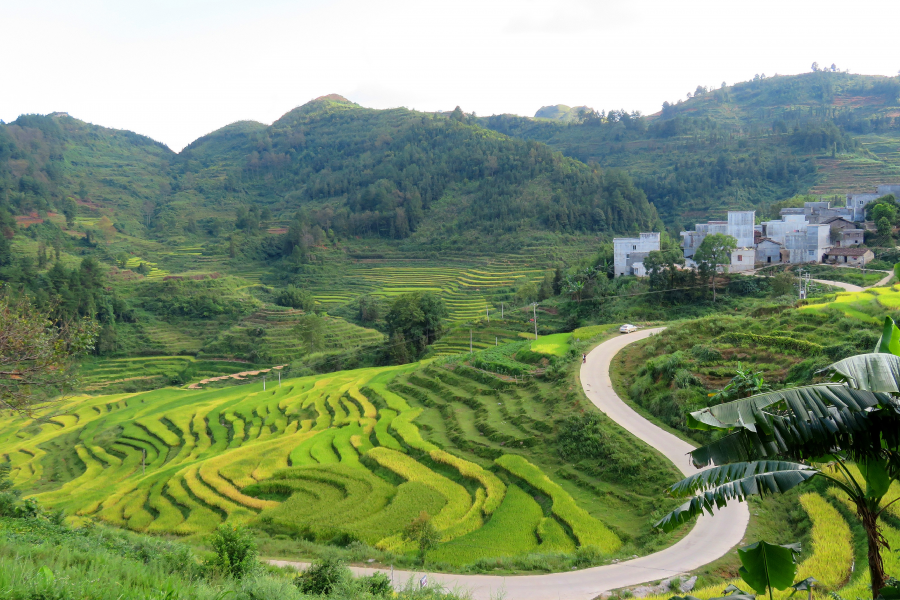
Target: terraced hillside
pixel 351 455
pixel 98 374
pixel 273 330
pixel 468 290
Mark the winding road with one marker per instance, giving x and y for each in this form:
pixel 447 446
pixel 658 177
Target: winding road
pixel 711 537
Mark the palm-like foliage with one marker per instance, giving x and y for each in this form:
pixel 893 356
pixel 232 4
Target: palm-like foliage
pixel 777 440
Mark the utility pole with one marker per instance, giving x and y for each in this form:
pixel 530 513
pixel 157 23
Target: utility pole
pixel 534 311
pixel 279 377
pixel 496 341
pixel 487 311
pixel 264 383
pixel 143 461
pixel 501 310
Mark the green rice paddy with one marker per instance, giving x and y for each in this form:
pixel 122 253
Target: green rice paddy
pixel 354 453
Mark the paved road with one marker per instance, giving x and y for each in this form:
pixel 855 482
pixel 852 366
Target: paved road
pixel 710 538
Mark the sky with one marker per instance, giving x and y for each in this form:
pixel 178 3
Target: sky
pixel 175 70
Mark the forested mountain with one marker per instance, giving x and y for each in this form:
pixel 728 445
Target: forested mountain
pixel 741 146
pixel 330 164
pixel 333 168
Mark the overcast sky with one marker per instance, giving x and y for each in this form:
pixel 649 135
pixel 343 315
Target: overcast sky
pixel 177 69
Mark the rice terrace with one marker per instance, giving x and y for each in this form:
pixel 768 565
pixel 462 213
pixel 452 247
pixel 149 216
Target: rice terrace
pixel 299 345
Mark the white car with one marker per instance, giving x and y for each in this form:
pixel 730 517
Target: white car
pixel 627 328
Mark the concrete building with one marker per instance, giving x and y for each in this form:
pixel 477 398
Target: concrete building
pixel 629 253
pixel 818 240
pixel 789 223
pixel 857 257
pixel 740 225
pixel 768 251
pixel 742 259
pixel 851 237
pixel 839 223
pixel 795 244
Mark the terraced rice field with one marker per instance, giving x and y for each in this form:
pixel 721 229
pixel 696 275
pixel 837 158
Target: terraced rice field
pixel 97 374
pixel 868 306
pixel 281 341
pixel 135 261
pixel 466 291
pixel 358 453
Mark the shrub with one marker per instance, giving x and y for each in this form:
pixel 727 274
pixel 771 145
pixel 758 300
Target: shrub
pixel 294 297
pixel 423 532
pixel 322 577
pixel 685 379
pixel 377 584
pixel 235 551
pixel 580 437
pixel 705 354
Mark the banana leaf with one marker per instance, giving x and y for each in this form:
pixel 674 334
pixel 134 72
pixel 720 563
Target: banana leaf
pixel 732 485
pixel 872 372
pixel 717 476
pixel 746 412
pixel 889 342
pixel 767 566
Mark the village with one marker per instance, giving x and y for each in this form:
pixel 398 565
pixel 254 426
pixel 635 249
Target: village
pixel 815 233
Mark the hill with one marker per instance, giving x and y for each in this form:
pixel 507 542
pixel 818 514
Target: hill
pixel 741 146
pixel 392 174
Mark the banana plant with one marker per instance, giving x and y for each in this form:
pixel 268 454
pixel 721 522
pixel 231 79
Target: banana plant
pixel 778 440
pixel 766 566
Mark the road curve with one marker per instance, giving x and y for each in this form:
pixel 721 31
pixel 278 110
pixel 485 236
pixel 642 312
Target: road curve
pixel 710 538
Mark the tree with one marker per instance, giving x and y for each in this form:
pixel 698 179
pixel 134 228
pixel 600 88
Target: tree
pixel 418 317
pixel 369 309
pixel 424 533
pixel 778 440
pixel 37 353
pixel 294 297
pixel 884 228
pixel 311 331
pixel 714 250
pixel 783 284
pixel 815 67
pixel 883 210
pixel 546 289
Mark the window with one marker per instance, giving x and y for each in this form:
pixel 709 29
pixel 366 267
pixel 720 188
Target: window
pixel 634 247
pixel 740 257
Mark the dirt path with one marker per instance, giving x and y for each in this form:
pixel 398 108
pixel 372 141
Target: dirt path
pixel 710 538
pixel 241 375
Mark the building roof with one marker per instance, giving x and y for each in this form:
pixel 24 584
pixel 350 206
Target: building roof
pixel 766 239
pixel 847 251
pixel 833 219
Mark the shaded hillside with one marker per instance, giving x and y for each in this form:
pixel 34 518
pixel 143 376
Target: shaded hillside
pixel 329 164
pixel 388 173
pixel 741 146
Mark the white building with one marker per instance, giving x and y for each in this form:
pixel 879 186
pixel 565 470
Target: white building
pixel 742 259
pixel 740 226
pixel 629 253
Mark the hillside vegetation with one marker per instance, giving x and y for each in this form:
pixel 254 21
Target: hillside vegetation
pixel 741 146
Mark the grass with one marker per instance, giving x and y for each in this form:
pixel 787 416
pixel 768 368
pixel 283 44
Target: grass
pixel 556 344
